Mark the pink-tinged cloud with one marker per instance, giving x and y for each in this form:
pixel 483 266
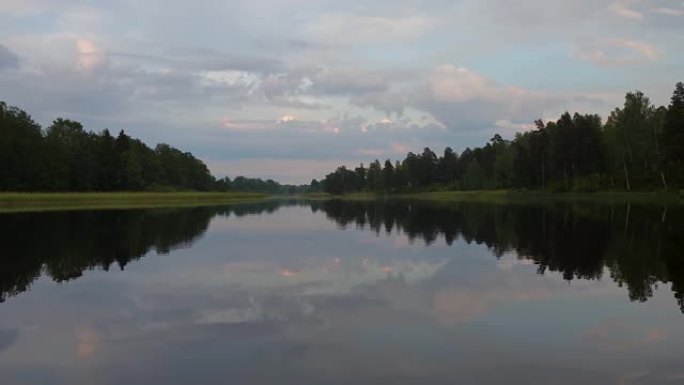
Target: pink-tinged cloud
pixel 620 9
pixel 511 128
pixel 458 84
pixel 618 335
pixel 677 12
pixel 453 306
pixel 618 52
pixel 247 126
pixel 287 273
pixel 87 342
pixel 451 84
pixel 646 50
pixel 286 119
pixel 393 151
pixel 89 55
pixel 398 148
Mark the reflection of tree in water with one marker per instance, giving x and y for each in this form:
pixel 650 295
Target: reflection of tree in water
pixel 62 245
pixel 639 246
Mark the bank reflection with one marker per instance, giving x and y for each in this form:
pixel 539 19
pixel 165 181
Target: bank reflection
pixel 637 246
pixel 62 245
pixel 280 293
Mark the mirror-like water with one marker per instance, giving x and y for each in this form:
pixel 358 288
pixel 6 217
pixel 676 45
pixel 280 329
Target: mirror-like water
pixel 332 292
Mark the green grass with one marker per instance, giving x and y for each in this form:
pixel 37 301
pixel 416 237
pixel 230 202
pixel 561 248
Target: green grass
pixel 15 202
pixel 511 196
pixel 506 196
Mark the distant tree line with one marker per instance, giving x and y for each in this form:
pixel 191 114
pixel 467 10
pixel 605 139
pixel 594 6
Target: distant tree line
pixel 66 157
pixel 640 147
pixel 269 186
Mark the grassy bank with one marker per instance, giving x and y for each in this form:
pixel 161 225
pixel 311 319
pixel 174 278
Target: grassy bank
pixel 14 202
pixel 509 196
pixel 504 196
pixel 17 202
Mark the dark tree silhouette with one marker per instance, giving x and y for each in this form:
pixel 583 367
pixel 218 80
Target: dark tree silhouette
pixel 640 147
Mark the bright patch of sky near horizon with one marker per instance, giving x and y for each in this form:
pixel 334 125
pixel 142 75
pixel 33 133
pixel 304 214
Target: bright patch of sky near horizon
pixel 289 89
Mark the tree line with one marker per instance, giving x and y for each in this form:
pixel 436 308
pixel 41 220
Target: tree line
pixel 67 157
pixel 639 147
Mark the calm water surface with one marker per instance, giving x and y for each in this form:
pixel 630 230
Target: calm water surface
pixel 344 293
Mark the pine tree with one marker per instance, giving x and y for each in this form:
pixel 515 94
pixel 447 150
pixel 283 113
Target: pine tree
pixel 673 135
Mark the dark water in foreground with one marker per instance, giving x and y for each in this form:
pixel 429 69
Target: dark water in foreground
pixel 344 293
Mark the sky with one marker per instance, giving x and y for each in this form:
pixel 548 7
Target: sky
pixel 291 89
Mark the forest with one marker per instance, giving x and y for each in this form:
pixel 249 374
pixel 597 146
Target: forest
pixel 640 147
pixel 66 157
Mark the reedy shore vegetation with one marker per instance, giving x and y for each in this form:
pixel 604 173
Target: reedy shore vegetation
pixel 539 196
pixel 510 197
pixel 18 202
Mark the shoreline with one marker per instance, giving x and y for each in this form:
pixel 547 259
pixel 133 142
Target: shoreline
pixel 27 202
pixel 510 197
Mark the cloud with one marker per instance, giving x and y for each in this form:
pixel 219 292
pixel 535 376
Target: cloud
pixel 248 125
pixel 457 305
pixel 87 342
pixel 290 83
pixel 346 139
pixel 620 9
pixel 350 28
pixel 8 59
pixel 286 119
pixel 460 98
pixel 646 50
pixel 392 151
pixel 15 7
pixel 350 82
pixel 557 14
pixel 457 98
pixel 614 335
pixel 206 60
pixel 90 56
pixel 457 84
pixel 511 127
pixel 225 79
pixel 286 123
pixel 120 92
pixel 618 52
pixel 676 12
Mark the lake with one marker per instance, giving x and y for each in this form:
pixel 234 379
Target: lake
pixel 335 292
